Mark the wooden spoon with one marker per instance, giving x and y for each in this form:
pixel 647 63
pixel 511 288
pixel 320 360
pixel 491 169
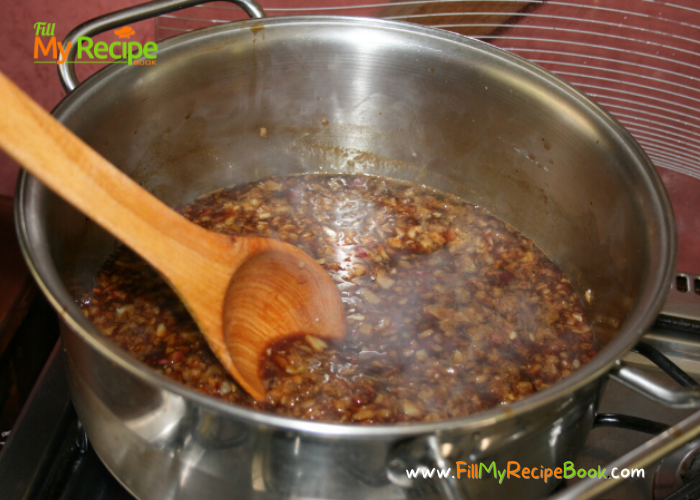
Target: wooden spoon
pixel 244 292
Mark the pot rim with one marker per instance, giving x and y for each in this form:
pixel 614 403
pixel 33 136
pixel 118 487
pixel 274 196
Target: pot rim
pixel 639 319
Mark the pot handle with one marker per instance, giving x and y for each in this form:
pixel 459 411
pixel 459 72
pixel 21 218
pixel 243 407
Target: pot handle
pixel 415 453
pixel 639 381
pixel 659 446
pixel 643 456
pixel 66 71
pixel 422 453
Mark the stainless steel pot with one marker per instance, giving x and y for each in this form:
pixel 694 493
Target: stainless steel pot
pixel 350 95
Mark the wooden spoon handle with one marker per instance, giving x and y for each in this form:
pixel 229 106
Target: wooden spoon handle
pixel 69 167
pixel 197 263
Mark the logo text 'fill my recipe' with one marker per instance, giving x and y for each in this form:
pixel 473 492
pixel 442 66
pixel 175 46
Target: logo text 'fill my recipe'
pixel 87 51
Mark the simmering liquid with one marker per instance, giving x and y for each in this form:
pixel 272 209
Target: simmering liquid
pixel 450 311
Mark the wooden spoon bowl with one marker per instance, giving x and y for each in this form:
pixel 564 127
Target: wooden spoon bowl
pixel 245 293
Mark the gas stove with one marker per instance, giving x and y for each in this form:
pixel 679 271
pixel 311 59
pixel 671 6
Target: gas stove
pixel 48 456
pixel 605 444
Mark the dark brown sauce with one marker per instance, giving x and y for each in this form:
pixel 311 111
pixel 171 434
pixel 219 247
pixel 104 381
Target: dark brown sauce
pixel 450 311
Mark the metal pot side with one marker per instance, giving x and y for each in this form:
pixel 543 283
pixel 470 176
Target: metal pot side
pixel 400 100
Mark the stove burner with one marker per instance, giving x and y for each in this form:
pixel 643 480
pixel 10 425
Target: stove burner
pixel 678 474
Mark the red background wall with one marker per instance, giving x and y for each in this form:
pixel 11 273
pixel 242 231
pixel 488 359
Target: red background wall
pixel 40 80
